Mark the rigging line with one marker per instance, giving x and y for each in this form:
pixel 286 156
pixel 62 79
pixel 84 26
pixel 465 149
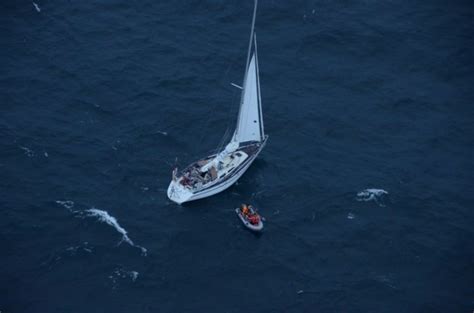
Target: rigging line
pixel 230 120
pixel 221 144
pixel 229 114
pixel 214 107
pixel 250 41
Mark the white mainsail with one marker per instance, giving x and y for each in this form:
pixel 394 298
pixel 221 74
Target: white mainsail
pixel 250 121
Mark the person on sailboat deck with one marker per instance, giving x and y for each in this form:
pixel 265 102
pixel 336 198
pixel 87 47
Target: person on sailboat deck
pixel 185 181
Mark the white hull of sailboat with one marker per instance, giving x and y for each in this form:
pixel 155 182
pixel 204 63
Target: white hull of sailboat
pixel 180 194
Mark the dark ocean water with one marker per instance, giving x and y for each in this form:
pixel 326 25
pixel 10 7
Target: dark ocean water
pixel 98 98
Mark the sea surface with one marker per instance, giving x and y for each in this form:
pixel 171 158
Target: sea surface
pixel 365 182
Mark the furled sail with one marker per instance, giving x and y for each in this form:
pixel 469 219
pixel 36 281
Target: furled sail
pixel 250 120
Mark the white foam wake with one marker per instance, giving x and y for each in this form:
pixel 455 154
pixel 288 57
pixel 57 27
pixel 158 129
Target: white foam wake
pixel 103 216
pixel 372 194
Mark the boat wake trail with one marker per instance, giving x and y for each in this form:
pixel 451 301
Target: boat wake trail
pixel 372 194
pixel 103 216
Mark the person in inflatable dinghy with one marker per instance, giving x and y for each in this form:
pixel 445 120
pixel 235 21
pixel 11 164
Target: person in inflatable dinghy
pixel 249 213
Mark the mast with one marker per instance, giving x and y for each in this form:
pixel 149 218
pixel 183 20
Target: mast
pixel 260 114
pixel 248 60
pixel 250 41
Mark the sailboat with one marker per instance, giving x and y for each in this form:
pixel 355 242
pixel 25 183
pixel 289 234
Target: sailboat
pixel 217 172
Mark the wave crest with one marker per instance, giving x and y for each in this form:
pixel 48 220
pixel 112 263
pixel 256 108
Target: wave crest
pixel 68 204
pixel 105 217
pixel 372 194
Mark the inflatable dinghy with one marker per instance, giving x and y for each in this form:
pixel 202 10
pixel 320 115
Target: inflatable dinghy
pixel 247 221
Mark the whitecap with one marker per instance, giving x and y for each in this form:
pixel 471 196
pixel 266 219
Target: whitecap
pixel 384 279
pixel 134 275
pixel 68 204
pixel 66 253
pixel 372 194
pixel 30 153
pixel 104 216
pixel 121 274
pixel 350 216
pixel 114 146
pixel 38 9
pixel 73 250
pixel 162 132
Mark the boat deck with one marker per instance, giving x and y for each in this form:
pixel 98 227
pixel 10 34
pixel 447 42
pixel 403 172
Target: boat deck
pixel 193 178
